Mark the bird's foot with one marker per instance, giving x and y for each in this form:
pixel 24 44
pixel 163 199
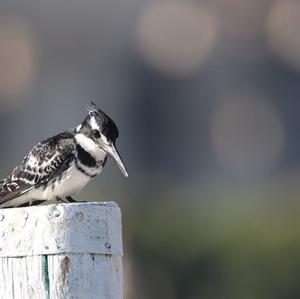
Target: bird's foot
pixel 31 203
pixel 70 199
pixel 60 200
pixel 67 199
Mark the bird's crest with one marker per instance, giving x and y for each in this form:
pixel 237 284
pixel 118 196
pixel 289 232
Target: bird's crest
pixel 107 125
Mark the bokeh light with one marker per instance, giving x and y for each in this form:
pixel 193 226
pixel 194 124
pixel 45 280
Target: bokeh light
pixel 247 134
pixel 176 37
pixel 282 28
pixel 18 59
pixel 241 19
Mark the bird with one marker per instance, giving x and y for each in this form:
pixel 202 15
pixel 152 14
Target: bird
pixel 58 167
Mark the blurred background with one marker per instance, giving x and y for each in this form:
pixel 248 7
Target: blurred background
pixel 206 97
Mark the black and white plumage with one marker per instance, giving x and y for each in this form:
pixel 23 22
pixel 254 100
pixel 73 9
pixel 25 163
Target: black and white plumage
pixel 60 166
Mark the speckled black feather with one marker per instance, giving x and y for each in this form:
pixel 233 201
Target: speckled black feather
pixel 25 177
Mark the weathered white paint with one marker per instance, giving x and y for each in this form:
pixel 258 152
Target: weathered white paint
pixel 61 252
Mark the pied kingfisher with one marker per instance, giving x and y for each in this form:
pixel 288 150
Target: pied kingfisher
pixel 59 167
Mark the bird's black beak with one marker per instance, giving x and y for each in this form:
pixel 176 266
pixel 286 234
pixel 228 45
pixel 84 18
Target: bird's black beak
pixel 112 151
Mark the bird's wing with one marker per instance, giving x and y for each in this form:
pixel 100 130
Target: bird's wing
pixel 45 161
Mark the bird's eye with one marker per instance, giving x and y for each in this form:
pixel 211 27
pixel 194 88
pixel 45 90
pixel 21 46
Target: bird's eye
pixel 96 133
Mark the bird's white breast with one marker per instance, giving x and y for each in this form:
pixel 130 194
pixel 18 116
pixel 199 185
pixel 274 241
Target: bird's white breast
pixel 72 181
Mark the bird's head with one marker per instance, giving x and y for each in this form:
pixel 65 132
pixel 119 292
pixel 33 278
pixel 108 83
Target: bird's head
pixel 99 132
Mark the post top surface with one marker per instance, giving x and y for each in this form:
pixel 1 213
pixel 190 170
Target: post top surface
pixel 89 227
pixel 104 204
